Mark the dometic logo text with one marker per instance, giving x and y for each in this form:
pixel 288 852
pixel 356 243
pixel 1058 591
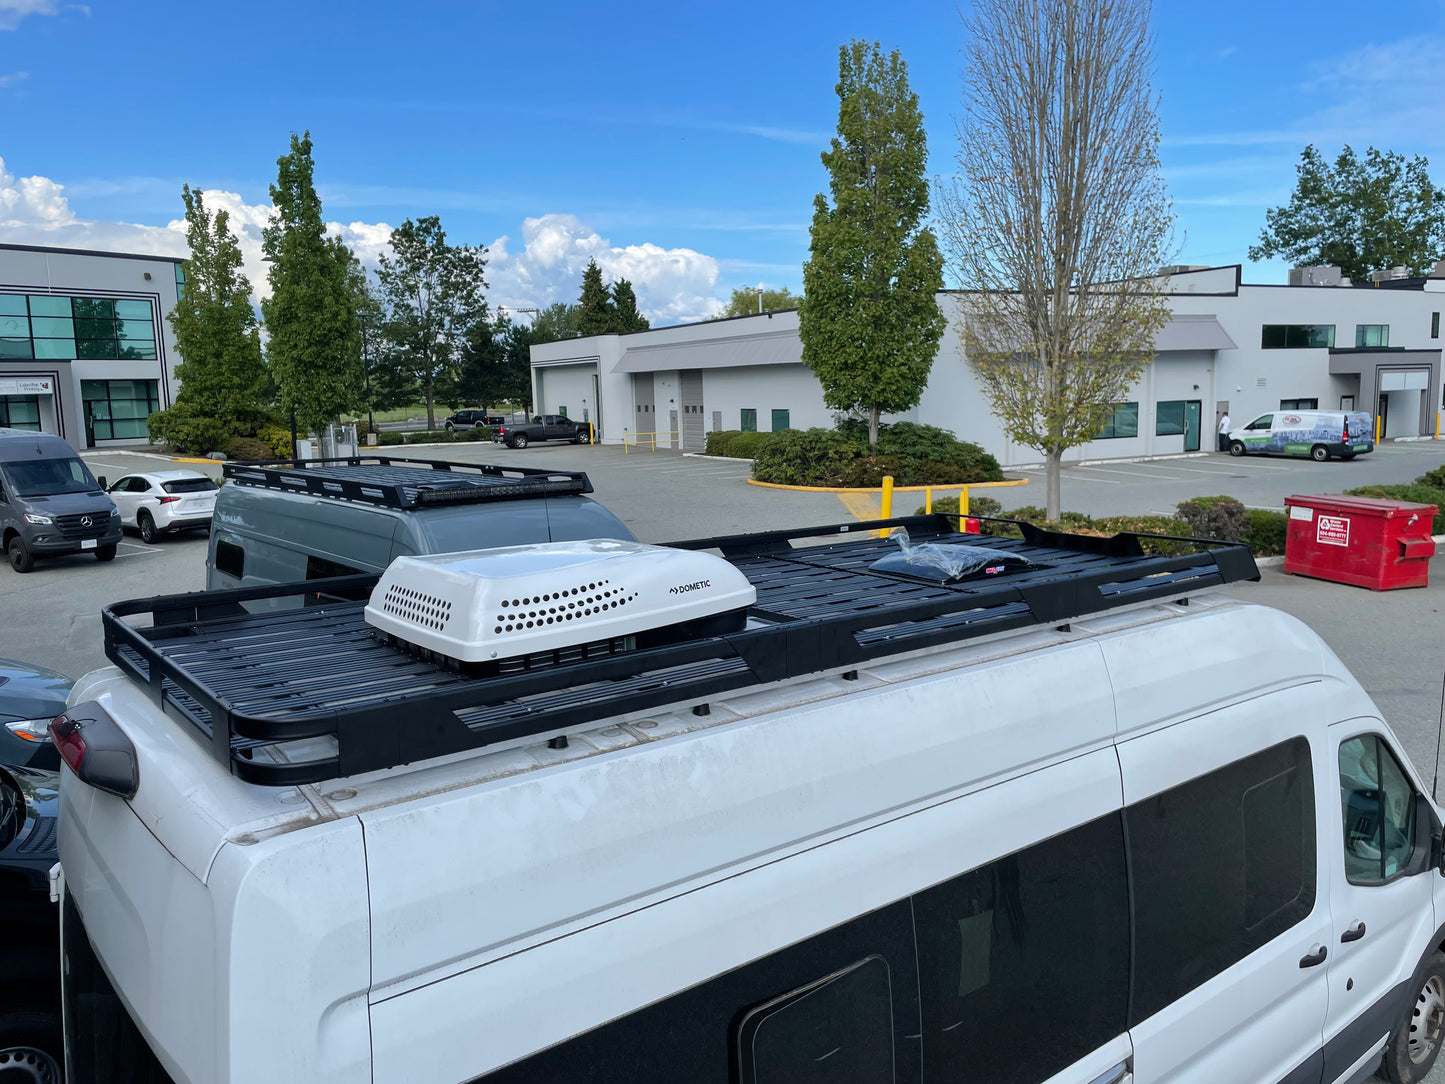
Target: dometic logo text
pixel 684 588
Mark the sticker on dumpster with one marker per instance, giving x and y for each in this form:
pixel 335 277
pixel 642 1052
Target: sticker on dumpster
pixel 1333 531
pixel 1297 512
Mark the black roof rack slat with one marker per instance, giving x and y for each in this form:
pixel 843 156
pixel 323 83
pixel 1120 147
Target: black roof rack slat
pixel 395 482
pixel 241 681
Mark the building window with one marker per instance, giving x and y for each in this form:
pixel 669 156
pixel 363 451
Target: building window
pixel 1297 336
pixel 561 410
pixel 1434 325
pixel 1372 335
pixel 20 412
pixel 1169 418
pixel 1124 422
pixel 780 421
pixel 180 281
pixel 118 409
pixel 1299 404
pixel 76 328
pixel 1221 865
pixel 748 422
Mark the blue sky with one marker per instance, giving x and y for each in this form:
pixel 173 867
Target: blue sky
pixel 676 143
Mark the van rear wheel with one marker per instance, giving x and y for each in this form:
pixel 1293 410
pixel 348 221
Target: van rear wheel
pixel 1319 453
pixel 21 559
pixel 1236 447
pixel 1412 1050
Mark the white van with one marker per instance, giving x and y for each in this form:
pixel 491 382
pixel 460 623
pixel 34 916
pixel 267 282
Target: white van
pixel 606 812
pixel 1319 434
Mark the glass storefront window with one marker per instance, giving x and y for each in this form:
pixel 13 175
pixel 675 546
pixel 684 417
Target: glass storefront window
pixel 12 304
pixel 59 349
pixel 134 310
pixel 118 409
pixel 67 328
pixel 14 327
pixel 20 412
pixel 94 308
pixel 52 327
pixel 49 306
pixel 15 348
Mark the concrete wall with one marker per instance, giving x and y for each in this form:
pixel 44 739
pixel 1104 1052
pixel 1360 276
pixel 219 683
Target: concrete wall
pixel 763 388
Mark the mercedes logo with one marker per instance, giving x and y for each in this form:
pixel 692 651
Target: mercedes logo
pixel 85 521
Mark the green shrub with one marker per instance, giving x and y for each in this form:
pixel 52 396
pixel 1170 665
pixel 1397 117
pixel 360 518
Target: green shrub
pixel 929 455
pixel 735 443
pixel 277 439
pixel 188 431
pixel 1417 492
pixel 1434 478
pixel 475 433
pixel 805 457
pixel 389 439
pixel 718 443
pixel 868 472
pixel 1111 525
pixel 1266 530
pixel 977 506
pixel 1214 517
pixel 251 450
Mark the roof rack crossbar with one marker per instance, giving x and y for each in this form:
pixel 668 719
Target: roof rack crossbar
pixel 240 681
pixel 395 482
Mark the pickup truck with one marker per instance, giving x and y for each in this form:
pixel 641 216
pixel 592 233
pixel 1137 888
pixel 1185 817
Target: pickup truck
pixel 542 427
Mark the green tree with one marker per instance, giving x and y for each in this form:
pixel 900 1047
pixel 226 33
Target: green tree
pixel 1359 215
pixel 434 293
pixel 1058 221
pixel 744 302
pixel 314 335
pixel 869 321
pixel 558 320
pixel 597 315
pixel 221 371
pixel 626 318
pixel 496 364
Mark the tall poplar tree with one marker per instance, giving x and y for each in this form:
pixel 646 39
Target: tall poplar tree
pixel 869 320
pixel 221 372
pixel 314 334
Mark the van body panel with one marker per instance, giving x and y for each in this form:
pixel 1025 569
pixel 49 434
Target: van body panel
pixel 653 948
pixel 1264 1011
pixel 1398 917
pixel 576 841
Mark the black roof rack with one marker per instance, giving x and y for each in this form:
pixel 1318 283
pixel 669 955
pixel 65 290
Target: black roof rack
pixel 238 680
pixel 406 483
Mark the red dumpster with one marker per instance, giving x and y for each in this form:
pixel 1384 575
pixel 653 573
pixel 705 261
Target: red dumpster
pixel 1361 541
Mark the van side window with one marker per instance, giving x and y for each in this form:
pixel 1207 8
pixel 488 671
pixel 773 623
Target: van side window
pixel 1054 917
pixel 319 568
pixel 1222 864
pixel 839 1006
pixel 1264 421
pixel 230 559
pixel 1379 811
pixel 838 1028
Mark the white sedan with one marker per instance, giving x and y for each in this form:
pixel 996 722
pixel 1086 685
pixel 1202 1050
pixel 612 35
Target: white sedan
pixel 164 501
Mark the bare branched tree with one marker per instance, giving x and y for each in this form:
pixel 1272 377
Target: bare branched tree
pixel 1057 222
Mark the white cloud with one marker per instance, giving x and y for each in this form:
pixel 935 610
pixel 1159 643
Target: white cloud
pixel 13 79
pixel 674 285
pixel 13 11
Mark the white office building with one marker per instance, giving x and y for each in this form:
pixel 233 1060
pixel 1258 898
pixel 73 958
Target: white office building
pixel 85 349
pixel 1243 348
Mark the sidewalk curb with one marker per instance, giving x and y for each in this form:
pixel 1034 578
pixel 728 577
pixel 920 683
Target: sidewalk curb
pixel 1101 462
pixel 840 490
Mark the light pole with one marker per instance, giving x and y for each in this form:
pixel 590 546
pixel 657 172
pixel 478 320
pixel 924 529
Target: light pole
pixel 366 374
pixel 760 299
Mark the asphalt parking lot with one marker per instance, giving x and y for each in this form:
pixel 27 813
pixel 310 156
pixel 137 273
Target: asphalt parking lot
pixel 1156 486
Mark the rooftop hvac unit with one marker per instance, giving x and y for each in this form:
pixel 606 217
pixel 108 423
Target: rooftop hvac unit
pixel 487 605
pixel 1316 276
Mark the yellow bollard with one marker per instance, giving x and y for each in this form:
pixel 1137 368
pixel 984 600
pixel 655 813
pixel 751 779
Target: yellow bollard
pixel 928 493
pixel 1377 428
pixel 1437 425
pixel 887 502
pixel 963 500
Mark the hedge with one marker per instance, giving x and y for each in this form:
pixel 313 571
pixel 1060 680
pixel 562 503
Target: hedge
pixel 805 457
pixel 1417 492
pixel 735 443
pixel 435 436
pixel 915 455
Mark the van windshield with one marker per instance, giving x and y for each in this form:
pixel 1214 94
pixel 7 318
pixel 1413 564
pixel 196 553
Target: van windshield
pixel 47 477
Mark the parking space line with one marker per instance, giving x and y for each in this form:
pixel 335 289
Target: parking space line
pixel 1109 470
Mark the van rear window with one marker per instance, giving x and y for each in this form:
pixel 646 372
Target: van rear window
pixel 230 559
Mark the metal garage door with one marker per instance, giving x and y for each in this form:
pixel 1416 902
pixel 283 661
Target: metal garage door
pixel 693 439
pixel 644 415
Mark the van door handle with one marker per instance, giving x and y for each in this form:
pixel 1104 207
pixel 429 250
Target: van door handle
pixel 1354 933
pixel 1315 958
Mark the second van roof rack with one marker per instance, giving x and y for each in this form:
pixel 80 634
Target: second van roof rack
pixel 238 680
pixel 406 483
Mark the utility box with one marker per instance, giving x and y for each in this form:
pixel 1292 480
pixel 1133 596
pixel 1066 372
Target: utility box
pixel 1359 540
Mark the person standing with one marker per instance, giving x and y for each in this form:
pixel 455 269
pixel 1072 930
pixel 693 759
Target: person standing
pixel 1224 432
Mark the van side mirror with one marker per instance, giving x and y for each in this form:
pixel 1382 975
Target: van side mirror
pixel 100 480
pixel 1429 838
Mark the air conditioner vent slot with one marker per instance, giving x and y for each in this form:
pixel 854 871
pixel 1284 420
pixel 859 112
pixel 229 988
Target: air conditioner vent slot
pixel 417 607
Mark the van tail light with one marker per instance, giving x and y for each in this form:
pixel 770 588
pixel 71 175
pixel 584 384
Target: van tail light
pixel 169 500
pixel 96 749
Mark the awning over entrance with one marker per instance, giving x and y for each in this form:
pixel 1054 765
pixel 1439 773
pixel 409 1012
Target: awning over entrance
pixel 1193 331
pixel 777 348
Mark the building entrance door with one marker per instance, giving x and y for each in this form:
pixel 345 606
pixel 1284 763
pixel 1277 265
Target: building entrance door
pixel 1384 414
pixel 1193 411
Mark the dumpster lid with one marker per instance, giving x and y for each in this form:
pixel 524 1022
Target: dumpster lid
pixel 1366 506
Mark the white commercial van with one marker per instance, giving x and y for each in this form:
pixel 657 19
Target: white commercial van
pixel 987 810
pixel 1319 434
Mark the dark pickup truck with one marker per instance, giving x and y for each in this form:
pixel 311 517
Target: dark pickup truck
pixel 542 427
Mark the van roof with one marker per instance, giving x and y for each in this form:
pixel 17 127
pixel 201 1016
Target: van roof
pixel 394 482
pixel 238 683
pixel 17 445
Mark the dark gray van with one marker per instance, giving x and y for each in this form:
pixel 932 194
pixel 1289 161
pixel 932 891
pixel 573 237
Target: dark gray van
pixel 284 522
pixel 50 503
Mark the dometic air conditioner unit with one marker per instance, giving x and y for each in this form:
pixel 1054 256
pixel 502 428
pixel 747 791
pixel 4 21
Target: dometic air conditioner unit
pixel 487 605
